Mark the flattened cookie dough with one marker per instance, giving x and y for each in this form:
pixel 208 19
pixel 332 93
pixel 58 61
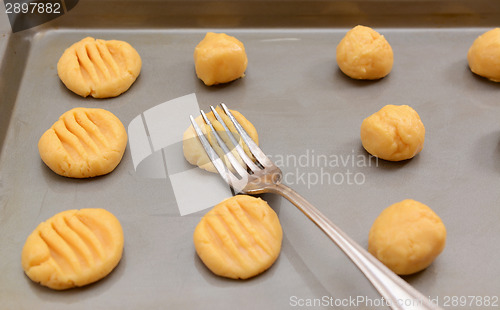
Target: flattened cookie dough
pixel 195 153
pixel 393 133
pixel 484 55
pixel 220 58
pixel 364 54
pixel 99 68
pixel 83 143
pixel 239 238
pixel 73 248
pixel 407 237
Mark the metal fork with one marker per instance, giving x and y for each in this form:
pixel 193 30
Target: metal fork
pixel 263 176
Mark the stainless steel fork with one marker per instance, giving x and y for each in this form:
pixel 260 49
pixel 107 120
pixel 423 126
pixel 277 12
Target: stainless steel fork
pixel 261 175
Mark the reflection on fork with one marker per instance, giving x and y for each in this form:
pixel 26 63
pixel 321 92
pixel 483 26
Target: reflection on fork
pixel 263 176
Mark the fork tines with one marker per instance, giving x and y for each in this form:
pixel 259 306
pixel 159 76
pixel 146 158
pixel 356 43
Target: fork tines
pixel 226 172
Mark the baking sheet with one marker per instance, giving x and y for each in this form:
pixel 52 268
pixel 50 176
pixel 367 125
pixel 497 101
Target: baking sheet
pixel 305 109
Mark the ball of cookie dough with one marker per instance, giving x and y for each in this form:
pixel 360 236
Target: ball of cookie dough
pixel 364 54
pixel 99 68
pixel 407 237
pixel 83 143
pixel 73 248
pixel 220 58
pixel 484 55
pixel 239 238
pixel 196 155
pixel 394 133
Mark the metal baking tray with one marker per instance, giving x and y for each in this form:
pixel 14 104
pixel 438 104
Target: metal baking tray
pixel 305 110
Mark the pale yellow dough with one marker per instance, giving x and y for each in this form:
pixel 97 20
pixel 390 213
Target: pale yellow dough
pixel 407 237
pixel 394 133
pixel 364 54
pixel 239 238
pixel 99 68
pixel 73 248
pixel 84 143
pixel 193 150
pixel 484 55
pixel 220 58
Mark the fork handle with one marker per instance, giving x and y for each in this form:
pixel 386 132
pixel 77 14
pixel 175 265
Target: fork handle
pixel 397 292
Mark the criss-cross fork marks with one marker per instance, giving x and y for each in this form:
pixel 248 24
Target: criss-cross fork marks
pixel 82 135
pixel 73 245
pixel 97 62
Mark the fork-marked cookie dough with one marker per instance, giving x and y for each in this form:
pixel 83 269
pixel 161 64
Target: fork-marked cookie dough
pixel 99 68
pixel 84 143
pixel 73 248
pixel 239 238
pixel 193 150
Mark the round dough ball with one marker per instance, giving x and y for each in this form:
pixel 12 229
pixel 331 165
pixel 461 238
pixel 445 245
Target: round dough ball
pixel 239 238
pixel 73 248
pixel 84 143
pixel 99 68
pixel 394 133
pixel 407 237
pixel 219 58
pixel 364 54
pixel 484 55
pixel 196 155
